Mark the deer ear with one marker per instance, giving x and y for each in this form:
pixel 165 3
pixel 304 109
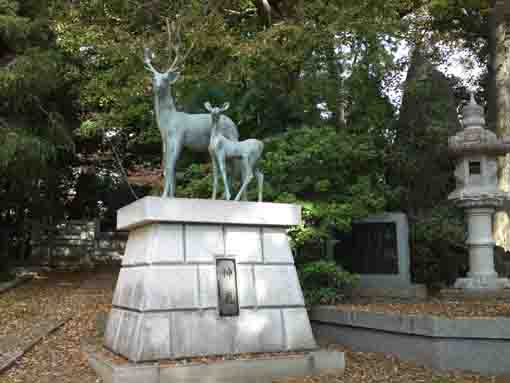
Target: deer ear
pixel 225 106
pixel 208 106
pixel 173 77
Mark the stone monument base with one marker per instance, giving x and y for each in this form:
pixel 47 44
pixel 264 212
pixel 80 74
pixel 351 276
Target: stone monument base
pixel 174 297
pixel 260 369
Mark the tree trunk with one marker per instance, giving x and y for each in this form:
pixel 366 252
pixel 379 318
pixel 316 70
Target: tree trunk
pixel 499 101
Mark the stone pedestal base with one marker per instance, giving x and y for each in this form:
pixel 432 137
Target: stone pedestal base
pixel 482 283
pixel 482 275
pixel 254 370
pixel 166 303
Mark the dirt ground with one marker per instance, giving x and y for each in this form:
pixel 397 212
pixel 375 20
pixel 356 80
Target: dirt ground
pixel 79 297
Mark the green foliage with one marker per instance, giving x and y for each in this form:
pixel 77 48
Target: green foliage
pixel 324 282
pixel 332 173
pixel 439 239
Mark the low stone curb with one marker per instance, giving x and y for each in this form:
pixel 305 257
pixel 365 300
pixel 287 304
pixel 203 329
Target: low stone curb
pixel 262 370
pixel 9 358
pixel 474 344
pixel 5 286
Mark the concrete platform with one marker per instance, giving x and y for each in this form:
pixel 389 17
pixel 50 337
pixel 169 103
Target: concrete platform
pixel 479 345
pixel 258 370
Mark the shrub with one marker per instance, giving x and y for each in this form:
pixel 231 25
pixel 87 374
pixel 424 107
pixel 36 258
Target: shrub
pixel 324 282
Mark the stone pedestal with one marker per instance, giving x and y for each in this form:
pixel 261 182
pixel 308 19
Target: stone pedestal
pixel 482 274
pixel 166 303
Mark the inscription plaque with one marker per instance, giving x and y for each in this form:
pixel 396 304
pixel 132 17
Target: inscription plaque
pixel 371 248
pixel 227 287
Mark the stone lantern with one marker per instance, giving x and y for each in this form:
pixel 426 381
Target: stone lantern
pixel 476 152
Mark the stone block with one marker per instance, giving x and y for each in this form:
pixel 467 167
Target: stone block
pixel 200 211
pixel 137 246
pixel 157 243
pixel 167 244
pixel 171 287
pixel 126 341
pixel 278 286
pixel 245 243
pixel 204 243
pixel 129 291
pixel 246 286
pixel 195 333
pixel 328 361
pixel 153 339
pixel 276 246
pixel 208 286
pixel 112 327
pixel 259 331
pixel 298 332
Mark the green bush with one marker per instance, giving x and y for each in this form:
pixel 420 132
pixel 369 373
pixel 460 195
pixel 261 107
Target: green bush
pixel 324 282
pixel 439 255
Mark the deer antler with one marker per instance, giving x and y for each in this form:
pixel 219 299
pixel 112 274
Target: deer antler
pixel 147 53
pixel 174 44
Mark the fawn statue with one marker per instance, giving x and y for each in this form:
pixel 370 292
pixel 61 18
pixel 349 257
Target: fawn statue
pixel 221 148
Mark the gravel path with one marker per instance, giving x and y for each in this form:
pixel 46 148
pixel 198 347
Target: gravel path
pixel 58 359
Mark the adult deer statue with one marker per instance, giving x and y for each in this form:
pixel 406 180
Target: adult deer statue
pixel 178 129
pixel 221 148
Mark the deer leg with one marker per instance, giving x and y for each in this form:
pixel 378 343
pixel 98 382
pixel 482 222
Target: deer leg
pixel 248 176
pixel 246 182
pixel 174 149
pixel 245 170
pixel 215 173
pixel 163 165
pixel 221 164
pixel 260 183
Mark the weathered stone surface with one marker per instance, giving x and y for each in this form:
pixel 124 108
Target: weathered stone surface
pixel 246 286
pixel 298 332
pixel 244 243
pixel 208 286
pixel 155 244
pixel 260 330
pixel 276 246
pixel 153 342
pixel 197 333
pixel 278 286
pixel 137 246
pixel 129 291
pixel 126 341
pixel 178 210
pixel 171 287
pixel 112 327
pixel 204 243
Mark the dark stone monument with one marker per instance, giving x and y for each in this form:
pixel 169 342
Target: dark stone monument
pixel 378 250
